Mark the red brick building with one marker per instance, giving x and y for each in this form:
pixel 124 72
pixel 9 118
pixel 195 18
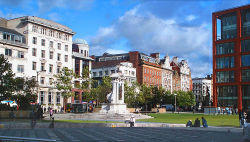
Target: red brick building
pixel 231 58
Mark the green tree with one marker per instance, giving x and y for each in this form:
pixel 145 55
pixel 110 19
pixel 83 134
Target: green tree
pixel 158 95
pixel 25 93
pixel 131 96
pixel 104 89
pixel 64 84
pixel 7 80
pixel 145 95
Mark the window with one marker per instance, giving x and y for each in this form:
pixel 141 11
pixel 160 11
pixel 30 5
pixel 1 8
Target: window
pixel 42 80
pixel 227 95
pixel 58 57
pixel 66 58
pixel 82 51
pixel 33 51
pixel 106 72
pixel 51 44
pixel 245 22
pixel 66 47
pixel 34 28
pixel 59 46
pixel 33 65
pixel 85 53
pixel 58 69
pixel 34 41
pixel 112 71
pixel 94 74
pixel 51 55
pixel 133 73
pixel 100 73
pixel 10 65
pixel 51 33
pixel 42 66
pixel 43 54
pixel 225 48
pixel 20 54
pixel 225 76
pixel 225 62
pixel 8 52
pixel 20 68
pixel 246 75
pixel 50 68
pixel 50 81
pixel 42 93
pixel 245 45
pixel 245 60
pixel 43 42
pixel 229 28
pixel 50 98
pixel 58 98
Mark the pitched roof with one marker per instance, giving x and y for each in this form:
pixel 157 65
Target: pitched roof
pixel 111 63
pixel 10 31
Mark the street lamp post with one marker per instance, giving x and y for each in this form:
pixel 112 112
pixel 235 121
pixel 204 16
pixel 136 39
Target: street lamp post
pixel 175 102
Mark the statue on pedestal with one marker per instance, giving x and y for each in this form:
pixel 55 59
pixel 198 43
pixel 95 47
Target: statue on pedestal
pixel 116 97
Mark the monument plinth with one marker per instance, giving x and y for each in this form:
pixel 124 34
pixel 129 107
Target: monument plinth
pixel 116 103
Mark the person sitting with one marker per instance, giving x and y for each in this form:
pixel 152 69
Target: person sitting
pixel 189 123
pixel 197 122
pixel 204 122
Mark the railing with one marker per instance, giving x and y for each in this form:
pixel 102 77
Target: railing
pixel 7 138
pixel 13 43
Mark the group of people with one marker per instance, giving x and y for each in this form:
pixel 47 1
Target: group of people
pixel 197 123
pixel 227 110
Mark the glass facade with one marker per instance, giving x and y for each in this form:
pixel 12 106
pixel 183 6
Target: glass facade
pixel 245 18
pixel 225 48
pixel 228 26
pixel 245 60
pixel 246 97
pixel 225 76
pixel 245 75
pixel 227 96
pixel 245 45
pixel 225 62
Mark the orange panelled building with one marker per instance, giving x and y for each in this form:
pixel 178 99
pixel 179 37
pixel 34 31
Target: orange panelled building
pixel 231 58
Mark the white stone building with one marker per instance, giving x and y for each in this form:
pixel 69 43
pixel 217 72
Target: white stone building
pixel 201 88
pixel 167 74
pixel 185 76
pixel 45 47
pixel 106 68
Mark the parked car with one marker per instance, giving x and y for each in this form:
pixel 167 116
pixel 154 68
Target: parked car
pixel 169 107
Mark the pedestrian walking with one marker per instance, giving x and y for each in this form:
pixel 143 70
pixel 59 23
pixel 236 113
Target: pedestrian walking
pixel 51 113
pixel 132 121
pixel 204 122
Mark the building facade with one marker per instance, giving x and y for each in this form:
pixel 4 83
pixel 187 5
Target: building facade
pixel 101 69
pixel 167 74
pixel 202 87
pixel 80 60
pixel 231 57
pixel 46 49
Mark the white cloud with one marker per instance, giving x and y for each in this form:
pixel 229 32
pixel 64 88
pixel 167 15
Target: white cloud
pixel 190 18
pixel 115 51
pixel 148 33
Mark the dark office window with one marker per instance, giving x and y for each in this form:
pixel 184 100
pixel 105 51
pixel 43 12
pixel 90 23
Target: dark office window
pixel 245 45
pixel 225 48
pixel 245 17
pixel 225 76
pixel 227 95
pixel 225 62
pixel 246 97
pixel 245 60
pixel 228 26
pixel 245 75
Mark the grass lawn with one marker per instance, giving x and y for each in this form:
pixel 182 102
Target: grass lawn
pixel 182 118
pixel 82 121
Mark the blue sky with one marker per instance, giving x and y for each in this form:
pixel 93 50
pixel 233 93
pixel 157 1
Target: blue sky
pixel 171 27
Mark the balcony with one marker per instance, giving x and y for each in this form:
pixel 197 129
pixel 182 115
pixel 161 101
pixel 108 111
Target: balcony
pixel 4 41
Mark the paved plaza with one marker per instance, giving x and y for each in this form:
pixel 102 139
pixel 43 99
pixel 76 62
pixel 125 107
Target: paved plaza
pixel 104 134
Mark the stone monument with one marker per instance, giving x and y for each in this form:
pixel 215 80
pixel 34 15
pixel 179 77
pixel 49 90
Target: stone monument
pixel 116 103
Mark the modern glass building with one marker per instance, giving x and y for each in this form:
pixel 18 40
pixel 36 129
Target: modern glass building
pixel 231 58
